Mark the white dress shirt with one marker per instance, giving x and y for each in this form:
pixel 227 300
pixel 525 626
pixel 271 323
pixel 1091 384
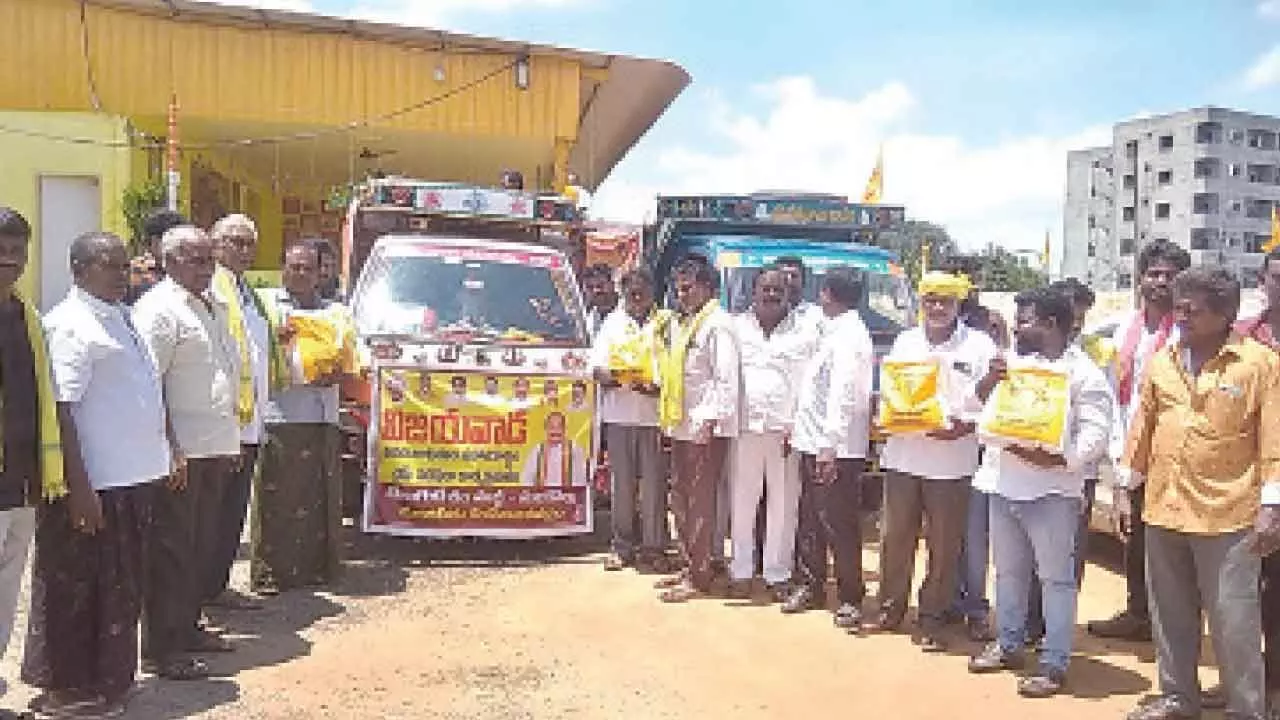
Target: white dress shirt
pixel 770 365
pixel 1089 419
pixel 553 456
pixel 257 333
pixel 963 359
pixel 103 370
pixel 710 377
pixel 621 405
pixel 199 363
pixel 833 411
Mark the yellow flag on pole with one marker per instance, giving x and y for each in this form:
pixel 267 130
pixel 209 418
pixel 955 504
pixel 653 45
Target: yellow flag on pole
pixel 1044 254
pixel 875 183
pixel 1274 242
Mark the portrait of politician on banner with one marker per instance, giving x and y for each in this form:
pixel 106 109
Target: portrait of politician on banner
pixel 456 452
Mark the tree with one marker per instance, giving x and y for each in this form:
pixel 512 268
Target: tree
pixel 908 241
pixel 996 269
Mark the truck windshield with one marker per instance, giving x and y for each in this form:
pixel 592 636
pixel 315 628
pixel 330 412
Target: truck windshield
pixel 885 307
pixel 437 291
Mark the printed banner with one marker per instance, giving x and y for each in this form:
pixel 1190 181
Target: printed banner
pixel 483 455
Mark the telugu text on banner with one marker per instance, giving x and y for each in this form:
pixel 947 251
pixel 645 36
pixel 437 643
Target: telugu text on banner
pixel 473 454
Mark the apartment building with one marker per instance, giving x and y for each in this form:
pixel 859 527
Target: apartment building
pixel 1205 178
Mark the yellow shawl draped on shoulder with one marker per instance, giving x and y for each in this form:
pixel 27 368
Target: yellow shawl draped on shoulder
pixel 53 479
pixel 671 399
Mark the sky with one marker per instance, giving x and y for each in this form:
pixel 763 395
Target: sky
pixel 974 103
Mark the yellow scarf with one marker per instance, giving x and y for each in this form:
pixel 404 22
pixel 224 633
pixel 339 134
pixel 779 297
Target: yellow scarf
pixel 671 400
pixel 566 464
pixel 225 284
pixel 53 480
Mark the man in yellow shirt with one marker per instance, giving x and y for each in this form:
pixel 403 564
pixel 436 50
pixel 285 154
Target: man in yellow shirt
pixel 1206 440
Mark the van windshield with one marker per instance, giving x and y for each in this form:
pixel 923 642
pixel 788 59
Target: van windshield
pixel 885 306
pixel 435 291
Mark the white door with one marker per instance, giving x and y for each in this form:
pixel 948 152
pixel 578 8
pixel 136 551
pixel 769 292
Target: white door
pixel 69 207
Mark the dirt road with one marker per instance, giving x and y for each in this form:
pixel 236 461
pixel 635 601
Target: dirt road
pixel 418 630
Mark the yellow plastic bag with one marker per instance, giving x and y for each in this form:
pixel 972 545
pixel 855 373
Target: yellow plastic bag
pixel 910 401
pixel 317 349
pixel 1029 407
pixel 631 360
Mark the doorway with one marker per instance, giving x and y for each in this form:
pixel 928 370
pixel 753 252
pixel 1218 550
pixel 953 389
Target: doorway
pixel 70 205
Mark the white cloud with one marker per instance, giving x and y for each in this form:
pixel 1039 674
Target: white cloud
pixel 1269 9
pixel 1264 72
pixel 1009 191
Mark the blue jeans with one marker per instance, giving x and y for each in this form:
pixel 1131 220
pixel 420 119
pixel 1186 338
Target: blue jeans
pixel 1030 536
pixel 971 583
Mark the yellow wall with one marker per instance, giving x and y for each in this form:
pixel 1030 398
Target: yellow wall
pixel 24 157
pixel 269 218
pixel 277 74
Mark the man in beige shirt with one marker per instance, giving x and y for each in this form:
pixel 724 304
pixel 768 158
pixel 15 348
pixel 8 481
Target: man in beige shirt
pixel 1206 440
pixel 185 328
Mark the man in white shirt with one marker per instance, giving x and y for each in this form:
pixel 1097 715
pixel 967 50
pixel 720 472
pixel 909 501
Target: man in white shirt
pixel 930 474
pixel 774 348
pixel 1137 339
pixel 235 240
pixel 698 408
pixel 556 462
pixel 1036 498
pixel 85 581
pixel 185 328
pixel 600 294
pixel 807 313
pixel 295 539
pixel 629 418
pixel 832 431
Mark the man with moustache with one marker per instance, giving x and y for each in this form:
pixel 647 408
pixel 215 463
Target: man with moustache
pixel 1206 440
pixel 774 347
pixel 40 459
pixel 1035 497
pixel 930 474
pixel 629 419
pixel 87 587
pixel 832 428
pixel 1265 328
pixel 186 329
pixel 698 408
pixel 262 366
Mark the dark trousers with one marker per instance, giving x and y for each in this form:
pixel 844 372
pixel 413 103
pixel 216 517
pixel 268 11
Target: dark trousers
pixel 695 483
pixel 1135 558
pixel 229 529
pixel 830 518
pixel 181 541
pixel 1271 618
pixel 1035 608
pixel 908 499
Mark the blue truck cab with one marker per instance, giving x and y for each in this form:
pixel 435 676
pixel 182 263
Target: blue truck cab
pixel 740 235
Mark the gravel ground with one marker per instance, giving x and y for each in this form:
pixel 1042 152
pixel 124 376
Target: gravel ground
pixel 538 631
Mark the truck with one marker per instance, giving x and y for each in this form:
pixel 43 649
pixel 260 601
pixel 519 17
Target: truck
pixel 740 234
pixel 472 414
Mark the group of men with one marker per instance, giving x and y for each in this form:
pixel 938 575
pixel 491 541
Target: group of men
pixel 1182 402
pixel 133 438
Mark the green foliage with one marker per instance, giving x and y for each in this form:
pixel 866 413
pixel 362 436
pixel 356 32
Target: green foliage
pixel 136 202
pixel 998 270
pixel 994 269
pixel 909 240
